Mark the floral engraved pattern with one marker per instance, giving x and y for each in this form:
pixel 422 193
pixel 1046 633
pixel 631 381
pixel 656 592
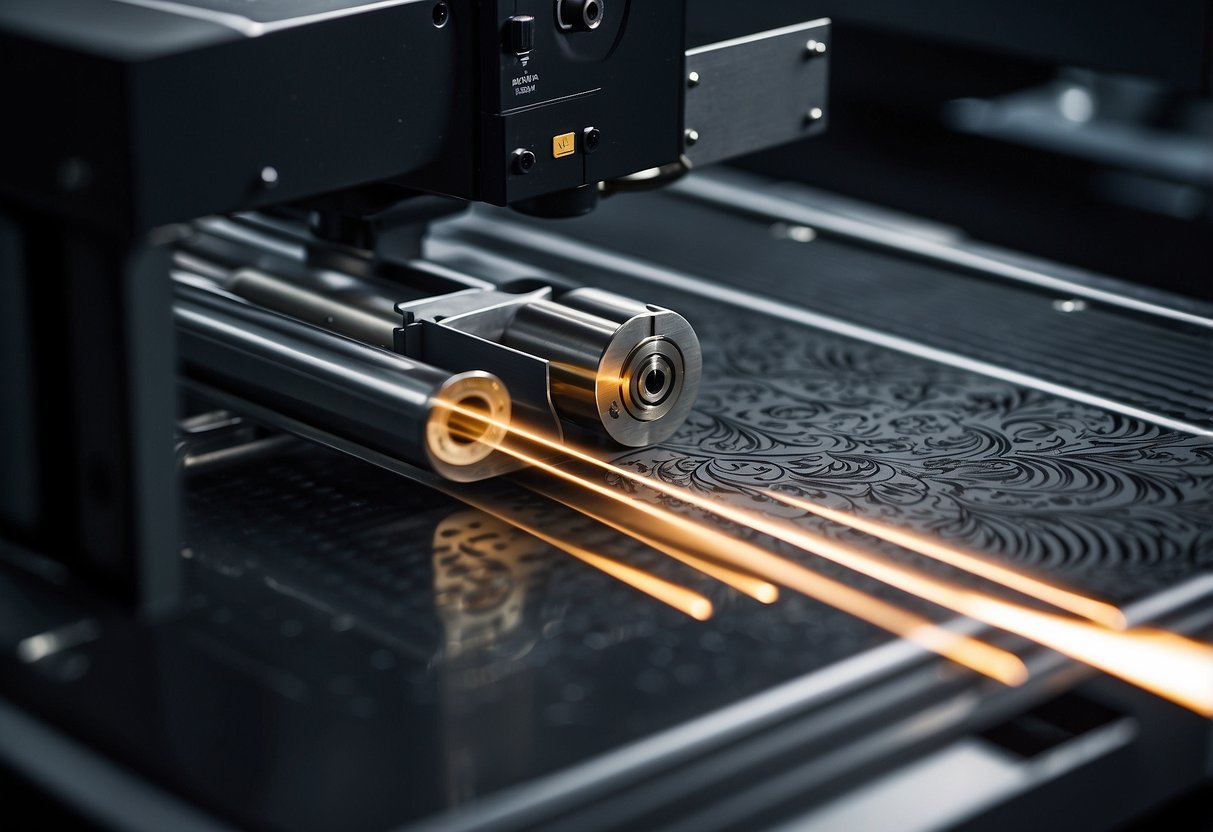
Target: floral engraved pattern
pixel 995 467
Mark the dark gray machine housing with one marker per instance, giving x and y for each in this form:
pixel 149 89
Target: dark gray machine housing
pixel 135 116
pixel 128 116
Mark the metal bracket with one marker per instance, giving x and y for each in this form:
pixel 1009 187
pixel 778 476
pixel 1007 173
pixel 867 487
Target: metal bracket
pixel 756 92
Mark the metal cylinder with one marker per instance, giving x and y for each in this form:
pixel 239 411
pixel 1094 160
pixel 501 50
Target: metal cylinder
pixel 375 398
pixel 347 305
pixel 629 368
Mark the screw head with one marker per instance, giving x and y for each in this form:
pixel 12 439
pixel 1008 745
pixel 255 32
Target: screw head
pixel 523 161
pixel 814 114
pixel 815 47
pixel 268 176
pixel 690 136
pixel 693 79
pixel 1070 305
pixel 591 137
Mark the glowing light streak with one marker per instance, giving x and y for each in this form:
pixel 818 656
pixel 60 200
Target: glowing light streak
pixel 1099 611
pixel 679 597
pixel 992 661
pixel 656 534
pixel 1167 664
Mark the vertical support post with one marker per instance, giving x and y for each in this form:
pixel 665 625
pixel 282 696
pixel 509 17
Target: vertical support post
pixel 19 482
pixel 95 397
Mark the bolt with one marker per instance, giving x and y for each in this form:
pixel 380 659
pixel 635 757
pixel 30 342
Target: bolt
pixel 690 137
pixel 814 114
pixel 524 160
pixel 591 137
pixel 798 233
pixel 693 79
pixel 268 176
pixel 1070 305
pixel 815 47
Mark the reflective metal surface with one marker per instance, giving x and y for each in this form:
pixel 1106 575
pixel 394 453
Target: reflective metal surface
pixel 757 91
pixel 628 368
pixel 611 364
pixel 402 658
pixel 289 369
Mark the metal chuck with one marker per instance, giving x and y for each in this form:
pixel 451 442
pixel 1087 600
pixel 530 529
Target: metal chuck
pixel 629 368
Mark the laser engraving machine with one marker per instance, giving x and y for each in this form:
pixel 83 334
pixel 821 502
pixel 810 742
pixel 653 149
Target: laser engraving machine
pixel 283 156
pixel 399 429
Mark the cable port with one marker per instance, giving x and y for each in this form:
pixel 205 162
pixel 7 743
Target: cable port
pixel 580 15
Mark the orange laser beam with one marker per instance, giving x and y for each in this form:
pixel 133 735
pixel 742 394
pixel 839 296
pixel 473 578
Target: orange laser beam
pixel 656 535
pixel 992 661
pixel 1098 611
pixel 1164 663
pixel 679 597
pixel 1170 665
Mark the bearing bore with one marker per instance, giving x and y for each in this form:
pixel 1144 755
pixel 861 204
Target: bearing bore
pixel 652 379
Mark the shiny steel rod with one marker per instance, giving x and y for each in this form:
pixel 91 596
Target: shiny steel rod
pixel 356 307
pixel 379 399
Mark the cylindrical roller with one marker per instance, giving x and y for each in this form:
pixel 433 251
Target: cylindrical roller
pixel 617 364
pixel 378 399
pixel 350 306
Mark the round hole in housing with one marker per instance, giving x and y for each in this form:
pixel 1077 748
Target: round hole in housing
pixel 466 428
pixel 651 379
pixel 654 381
pixel 580 15
pixel 468 419
pixel 440 14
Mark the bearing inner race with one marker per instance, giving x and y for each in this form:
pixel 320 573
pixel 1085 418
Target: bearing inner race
pixel 652 379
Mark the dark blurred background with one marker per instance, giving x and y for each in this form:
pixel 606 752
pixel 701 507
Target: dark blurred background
pixel 1071 130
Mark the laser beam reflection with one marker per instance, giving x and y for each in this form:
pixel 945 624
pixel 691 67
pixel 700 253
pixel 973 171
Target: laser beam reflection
pixel 1099 611
pixel 679 597
pixel 682 547
pixel 991 661
pixel 1166 664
